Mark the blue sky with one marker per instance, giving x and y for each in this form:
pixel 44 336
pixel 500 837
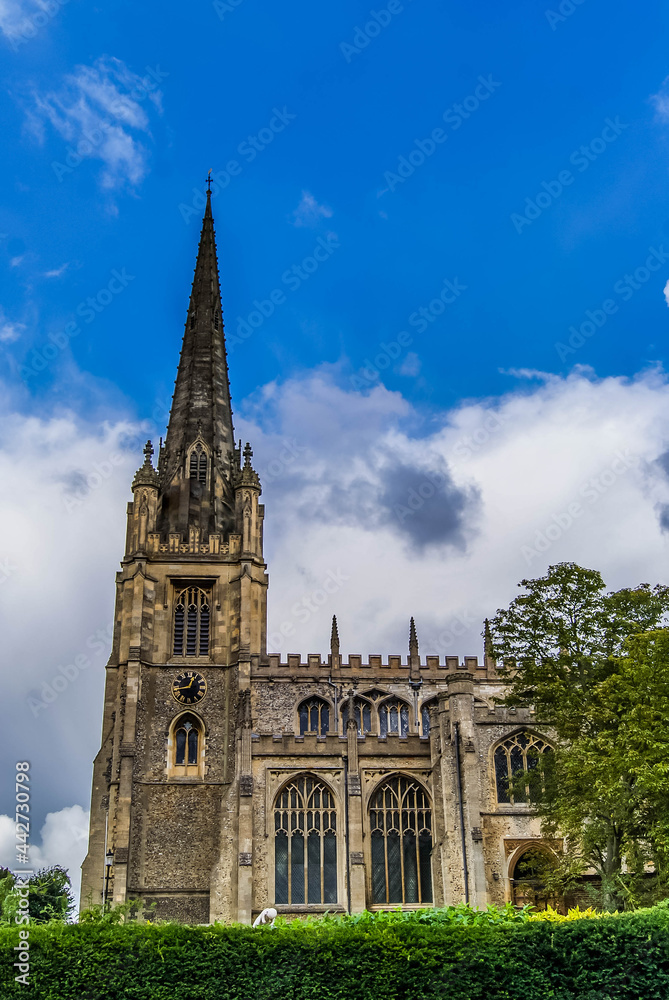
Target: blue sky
pixel 501 167
pixel 221 72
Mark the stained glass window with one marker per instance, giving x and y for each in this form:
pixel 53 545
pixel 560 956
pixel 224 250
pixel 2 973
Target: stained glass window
pixel 305 848
pixel 515 761
pixel 401 827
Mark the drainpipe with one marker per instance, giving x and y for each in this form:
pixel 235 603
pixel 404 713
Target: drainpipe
pixel 461 810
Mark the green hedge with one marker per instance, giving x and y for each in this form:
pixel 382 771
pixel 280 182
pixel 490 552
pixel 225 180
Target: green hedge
pixel 423 956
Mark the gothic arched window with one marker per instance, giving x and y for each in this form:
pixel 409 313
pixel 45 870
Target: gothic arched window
pixel 314 716
pixel 394 717
pixel 305 843
pixel 363 716
pixel 186 747
pixel 401 826
pixel 425 716
pixel 520 764
pixel 191 623
pixel 198 465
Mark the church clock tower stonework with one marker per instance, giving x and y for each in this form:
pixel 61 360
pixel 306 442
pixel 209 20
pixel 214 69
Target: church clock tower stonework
pixel 230 779
pixel 172 782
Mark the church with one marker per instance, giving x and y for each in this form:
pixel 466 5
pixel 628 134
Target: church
pixel 230 779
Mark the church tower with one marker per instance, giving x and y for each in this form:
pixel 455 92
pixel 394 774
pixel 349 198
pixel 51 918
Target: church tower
pixel 172 780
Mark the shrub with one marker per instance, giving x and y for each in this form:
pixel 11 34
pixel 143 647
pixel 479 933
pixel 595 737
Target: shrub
pixel 455 953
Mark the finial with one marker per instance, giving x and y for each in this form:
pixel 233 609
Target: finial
pixel 148 452
pixel 334 637
pixel 413 638
pixel 248 453
pixel 487 639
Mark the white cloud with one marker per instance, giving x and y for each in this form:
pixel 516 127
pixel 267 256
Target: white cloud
pixel 99 111
pixel 9 332
pixel 57 272
pixel 410 366
pixel 63 840
pixel 529 457
pixel 309 213
pixel 21 18
pixel 666 293
pixel 661 100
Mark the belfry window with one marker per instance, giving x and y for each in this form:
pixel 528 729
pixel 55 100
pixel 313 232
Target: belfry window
pixel 520 766
pixel 198 465
pixel 401 836
pixel 305 843
pixel 314 716
pixel 394 718
pixel 191 623
pixel 216 319
pixel 363 716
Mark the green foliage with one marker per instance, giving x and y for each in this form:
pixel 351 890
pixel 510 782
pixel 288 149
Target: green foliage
pixel 455 953
pixel 49 896
pixel 595 666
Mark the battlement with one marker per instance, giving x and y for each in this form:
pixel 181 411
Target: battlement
pixel 395 666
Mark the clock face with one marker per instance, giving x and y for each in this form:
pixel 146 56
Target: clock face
pixel 189 687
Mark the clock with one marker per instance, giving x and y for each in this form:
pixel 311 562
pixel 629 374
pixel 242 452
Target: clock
pixel 189 687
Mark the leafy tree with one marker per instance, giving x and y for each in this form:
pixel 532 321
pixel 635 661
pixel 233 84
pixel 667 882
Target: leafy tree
pixel 49 896
pixel 595 666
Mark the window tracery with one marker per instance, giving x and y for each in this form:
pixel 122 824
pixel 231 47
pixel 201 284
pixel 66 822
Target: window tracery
pixel 401 837
pixel 520 763
pixel 191 623
pixel 305 843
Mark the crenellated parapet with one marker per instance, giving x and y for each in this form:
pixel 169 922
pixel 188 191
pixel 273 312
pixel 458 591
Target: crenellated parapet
pixel 374 667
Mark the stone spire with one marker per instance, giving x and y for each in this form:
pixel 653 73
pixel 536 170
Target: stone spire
pixel 199 491
pixel 334 637
pixel 414 658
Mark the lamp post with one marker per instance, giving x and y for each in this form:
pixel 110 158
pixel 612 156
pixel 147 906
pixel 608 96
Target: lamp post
pixel 109 861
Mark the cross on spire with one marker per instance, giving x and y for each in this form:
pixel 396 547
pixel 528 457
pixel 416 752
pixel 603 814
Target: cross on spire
pixel 208 181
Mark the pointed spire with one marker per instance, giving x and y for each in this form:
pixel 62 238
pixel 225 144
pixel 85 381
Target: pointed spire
pixel 201 408
pixel 334 637
pixel 414 658
pixel 413 639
